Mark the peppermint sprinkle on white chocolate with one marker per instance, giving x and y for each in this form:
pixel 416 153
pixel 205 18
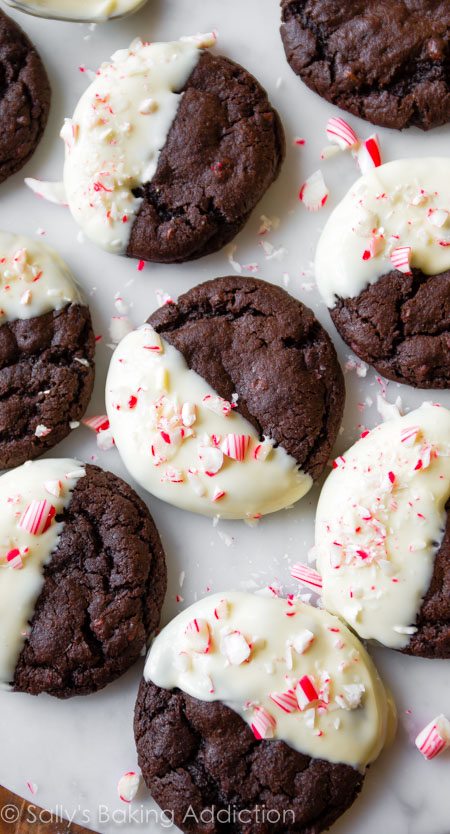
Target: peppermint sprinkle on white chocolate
pixel 185 444
pixel 31 498
pixel 291 671
pixel 380 521
pixel 33 279
pixel 118 129
pixel 396 216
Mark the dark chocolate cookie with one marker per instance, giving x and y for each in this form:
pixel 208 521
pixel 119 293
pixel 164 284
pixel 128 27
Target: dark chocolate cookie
pixel 102 594
pixel 24 97
pixel 245 336
pixel 432 638
pixel 387 62
pixel 46 380
pixel 225 147
pixel 401 326
pixel 197 756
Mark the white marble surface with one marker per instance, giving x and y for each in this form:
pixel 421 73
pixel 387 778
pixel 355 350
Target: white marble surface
pixel 75 751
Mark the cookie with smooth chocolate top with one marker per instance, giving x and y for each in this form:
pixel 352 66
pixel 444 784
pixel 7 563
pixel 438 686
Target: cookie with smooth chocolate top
pixel 245 336
pixel 196 756
pixel 387 62
pixel 102 592
pixel 24 97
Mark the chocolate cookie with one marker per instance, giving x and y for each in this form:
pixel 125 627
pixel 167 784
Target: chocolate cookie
pixel 202 146
pixel 387 62
pixel 202 762
pixel 383 534
pixel 274 762
pixel 102 578
pixel 383 269
pixel 24 97
pixel 46 350
pixel 250 430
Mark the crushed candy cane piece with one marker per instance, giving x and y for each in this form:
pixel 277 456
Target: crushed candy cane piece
pixel 37 517
pixel 42 431
pixel 198 636
pixel 263 450
pixel 188 414
pixel 263 724
pixel 235 648
pixel 401 259
pixel 340 133
pixel 287 701
pixel 306 692
pixel 235 446
pixel 314 193
pixel 303 640
pixel 434 738
pixel 437 217
pixel 217 404
pixel 222 610
pixel 127 786
pixel 98 423
pixel 307 576
pixel 375 248
pixel 53 488
pixel 368 154
pixel 211 459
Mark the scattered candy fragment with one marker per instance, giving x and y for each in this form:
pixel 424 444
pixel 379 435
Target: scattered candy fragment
pixel 127 786
pixel 401 259
pixel 37 517
pixel 340 133
pixel 217 404
pixel 198 636
pixel 306 692
pixel 434 738
pixel 263 724
pixel 314 193
pixel 287 701
pixel 235 648
pixel 368 154
pixel 235 446
pixel 307 576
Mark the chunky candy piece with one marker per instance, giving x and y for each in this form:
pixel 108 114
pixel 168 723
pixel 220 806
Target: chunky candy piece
pixel 306 692
pixel 287 701
pixel 314 193
pixel 340 133
pixel 37 517
pixel 434 738
pixel 128 785
pixel 235 446
pixel 235 648
pixel 198 636
pixel 369 154
pixel 401 259
pixel 263 724
pixel 307 576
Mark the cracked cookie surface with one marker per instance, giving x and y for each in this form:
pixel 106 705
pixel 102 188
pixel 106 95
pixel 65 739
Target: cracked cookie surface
pixel 102 594
pixel 24 97
pixel 46 379
pixel 195 755
pixel 401 326
pixel 245 336
pixel 387 62
pixel 225 147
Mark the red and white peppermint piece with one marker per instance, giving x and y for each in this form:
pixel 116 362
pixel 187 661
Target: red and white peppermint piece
pixel 307 576
pixel 188 414
pixel 368 154
pixel 42 431
pixel 53 488
pixel 37 517
pixel 303 640
pixel 154 343
pixel 287 701
pixel 105 440
pixel 235 446
pixel 263 450
pixel 235 648
pixel 263 724
pixel 173 476
pixel 222 610
pixel 375 247
pixel 198 636
pixel 218 494
pixel 339 462
pixel 340 133
pixel 434 738
pixel 127 786
pixel 314 193
pixel 409 435
pixel 14 559
pixel 306 692
pixel 217 404
pixel 211 459
pixel 99 423
pixel 195 482
pixel 25 298
pixel 401 259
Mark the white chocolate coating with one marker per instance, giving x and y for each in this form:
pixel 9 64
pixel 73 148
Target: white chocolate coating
pixel 350 722
pixel 167 400
pixel 119 126
pixel 380 520
pixel 94 10
pixel 20 587
pixel 398 200
pixel 33 279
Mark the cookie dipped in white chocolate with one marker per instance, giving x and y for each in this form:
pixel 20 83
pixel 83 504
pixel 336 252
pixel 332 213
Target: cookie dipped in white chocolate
pixel 291 671
pixel 33 279
pixel 80 10
pixel 118 129
pixel 403 205
pixel 380 521
pixel 186 445
pixel 31 498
